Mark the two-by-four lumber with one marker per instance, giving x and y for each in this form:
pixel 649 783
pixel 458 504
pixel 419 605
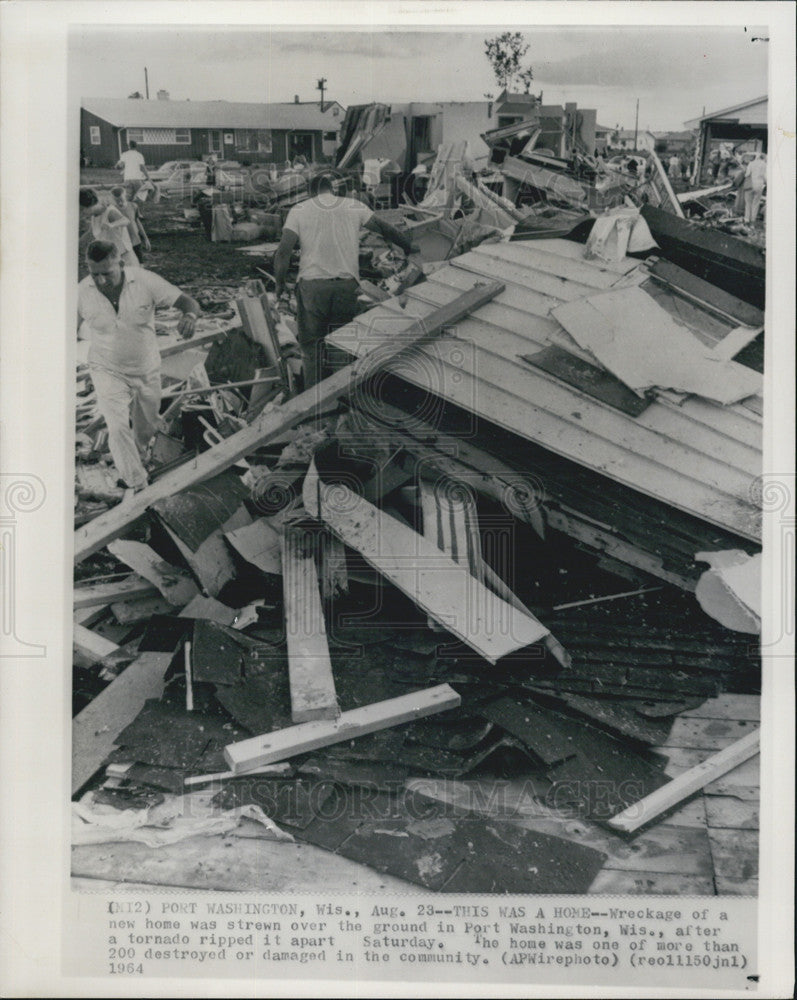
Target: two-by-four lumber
pixel 103 529
pixel 686 784
pixel 101 594
pixel 93 646
pixel 309 666
pixel 432 580
pixel 285 743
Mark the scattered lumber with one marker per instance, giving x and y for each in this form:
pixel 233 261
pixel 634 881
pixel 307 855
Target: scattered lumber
pixel 686 784
pixel 439 586
pixel 100 594
pixel 174 583
pixel 284 743
pixel 113 523
pixel 94 647
pixel 309 666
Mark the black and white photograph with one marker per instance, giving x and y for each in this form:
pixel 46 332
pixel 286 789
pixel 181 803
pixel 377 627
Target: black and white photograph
pixel 411 457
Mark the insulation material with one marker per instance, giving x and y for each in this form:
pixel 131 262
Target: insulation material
pixel 616 233
pixel 730 591
pixel 637 340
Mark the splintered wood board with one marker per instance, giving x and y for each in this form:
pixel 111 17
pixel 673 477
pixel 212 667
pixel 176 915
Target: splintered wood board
pixel 101 594
pixel 446 591
pixel 284 743
pixel 174 583
pixel 93 646
pixel 686 784
pixel 309 666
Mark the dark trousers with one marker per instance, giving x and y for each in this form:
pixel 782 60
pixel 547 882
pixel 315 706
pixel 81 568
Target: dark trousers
pixel 323 305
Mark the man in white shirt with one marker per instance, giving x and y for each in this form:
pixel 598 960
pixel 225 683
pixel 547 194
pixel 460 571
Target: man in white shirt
pixel 327 230
pixel 116 311
pixel 755 177
pixel 132 162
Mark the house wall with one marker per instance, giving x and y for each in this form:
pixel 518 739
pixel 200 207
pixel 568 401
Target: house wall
pixel 104 154
pixel 756 114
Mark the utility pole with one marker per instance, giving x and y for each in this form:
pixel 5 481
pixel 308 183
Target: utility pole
pixel 146 83
pixel 321 85
pixel 636 126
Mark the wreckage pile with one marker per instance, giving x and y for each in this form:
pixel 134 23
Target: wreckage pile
pixel 479 547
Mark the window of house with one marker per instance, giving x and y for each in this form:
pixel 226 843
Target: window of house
pixel 182 136
pixel 94 135
pixel 253 140
pixel 135 135
pixel 330 136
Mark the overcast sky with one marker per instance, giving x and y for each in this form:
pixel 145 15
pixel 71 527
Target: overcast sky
pixel 675 72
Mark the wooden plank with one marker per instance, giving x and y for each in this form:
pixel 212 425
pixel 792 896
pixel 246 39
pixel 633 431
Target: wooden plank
pixel 94 647
pixel 100 594
pixel 616 883
pixel 440 587
pixel 735 853
pixel 727 706
pixel 294 740
pixel 173 582
pixel 674 850
pixel 686 784
pixel 588 378
pixel 729 812
pixel 711 734
pixel 140 609
pixel 106 527
pixel 259 544
pixel 97 726
pixel 334 571
pixel 736 886
pixel 209 609
pixel 743 781
pixel 88 616
pixel 528 254
pixel 312 685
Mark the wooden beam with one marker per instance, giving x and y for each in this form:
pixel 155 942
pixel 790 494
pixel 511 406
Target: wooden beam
pixel 438 585
pixel 285 743
pixel 686 784
pixel 95 729
pixel 309 666
pixel 93 646
pixel 334 571
pixel 110 593
pixel 103 529
pixel 173 582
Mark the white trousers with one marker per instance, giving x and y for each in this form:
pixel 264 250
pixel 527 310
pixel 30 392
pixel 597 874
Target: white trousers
pixel 130 405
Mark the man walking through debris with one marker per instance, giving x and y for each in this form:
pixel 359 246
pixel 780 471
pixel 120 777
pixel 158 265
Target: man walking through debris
pixel 117 309
pixel 132 162
pixel 327 230
pixel 755 177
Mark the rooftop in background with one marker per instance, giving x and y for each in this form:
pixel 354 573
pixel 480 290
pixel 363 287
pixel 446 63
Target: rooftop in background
pixel 135 113
pixel 729 112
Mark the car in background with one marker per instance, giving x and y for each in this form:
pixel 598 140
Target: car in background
pixel 186 181
pixel 165 170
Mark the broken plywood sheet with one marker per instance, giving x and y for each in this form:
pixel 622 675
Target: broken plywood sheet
pixel 174 583
pixel 637 340
pixel 210 609
pixel 438 585
pixel 259 544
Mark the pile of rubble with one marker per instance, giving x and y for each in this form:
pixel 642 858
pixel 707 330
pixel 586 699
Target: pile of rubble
pixel 478 546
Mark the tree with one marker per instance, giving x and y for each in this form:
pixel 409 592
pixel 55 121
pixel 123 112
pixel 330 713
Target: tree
pixel 505 53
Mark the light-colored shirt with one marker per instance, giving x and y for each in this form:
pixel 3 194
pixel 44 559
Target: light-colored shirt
pixel 757 172
pixel 125 341
pixel 133 161
pixel 118 235
pixel 328 228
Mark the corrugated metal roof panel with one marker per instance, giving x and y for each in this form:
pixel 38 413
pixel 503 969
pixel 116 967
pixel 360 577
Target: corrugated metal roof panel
pixel 695 455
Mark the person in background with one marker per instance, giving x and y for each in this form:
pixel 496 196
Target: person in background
pixel 755 177
pixel 326 228
pixel 116 312
pixel 124 201
pixel 674 167
pixel 106 222
pixel 132 163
